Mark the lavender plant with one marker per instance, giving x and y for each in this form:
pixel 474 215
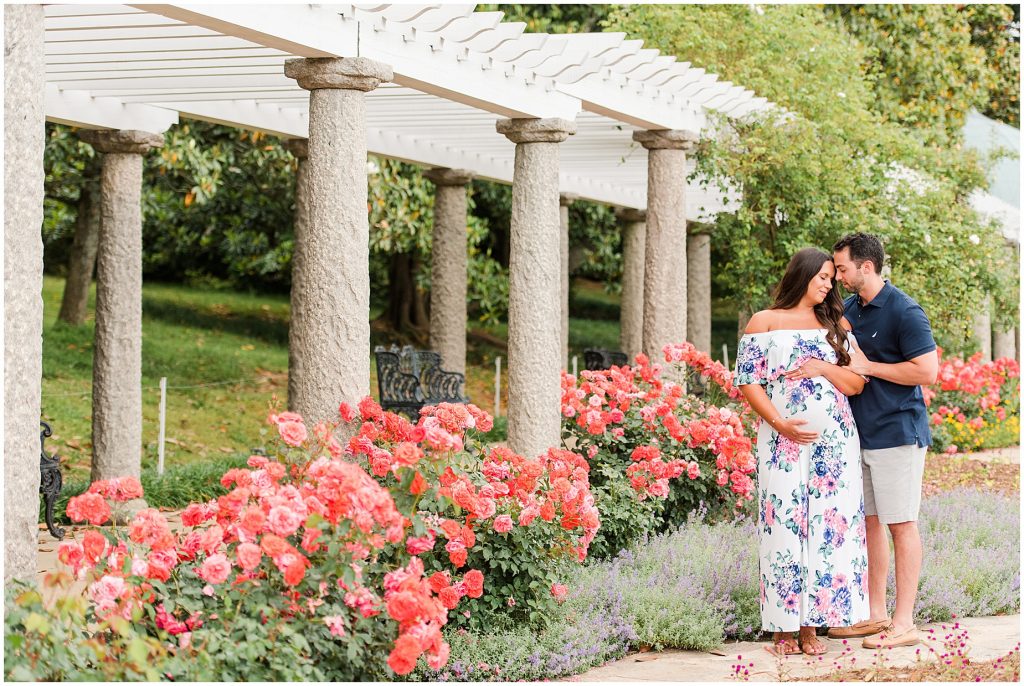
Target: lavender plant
pixel 971 566
pixel 697 586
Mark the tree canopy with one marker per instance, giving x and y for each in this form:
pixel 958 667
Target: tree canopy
pixel 830 161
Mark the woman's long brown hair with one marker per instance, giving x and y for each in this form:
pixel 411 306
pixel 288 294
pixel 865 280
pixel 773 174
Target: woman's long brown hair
pixel 804 266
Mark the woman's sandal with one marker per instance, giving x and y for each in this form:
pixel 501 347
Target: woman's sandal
pixel 781 647
pixel 813 646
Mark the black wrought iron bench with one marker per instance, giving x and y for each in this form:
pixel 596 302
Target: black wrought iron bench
pixel 409 379
pixel 598 359
pixel 50 480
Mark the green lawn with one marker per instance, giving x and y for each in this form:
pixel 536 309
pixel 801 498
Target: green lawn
pixel 225 357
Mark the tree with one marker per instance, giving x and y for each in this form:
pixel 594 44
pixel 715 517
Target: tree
pixel 828 163
pixel 71 220
pixel 931 64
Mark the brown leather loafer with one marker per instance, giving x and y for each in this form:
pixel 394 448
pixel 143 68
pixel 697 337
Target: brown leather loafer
pixel 888 639
pixel 860 629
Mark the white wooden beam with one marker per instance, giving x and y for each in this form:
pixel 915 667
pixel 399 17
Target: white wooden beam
pixel 303 30
pixel 79 108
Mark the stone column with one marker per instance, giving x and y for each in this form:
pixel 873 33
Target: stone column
pixel 1004 344
pixel 564 201
pixel 982 327
pixel 299 147
pixel 117 357
pixel 24 138
pixel 1004 341
pixel 698 286
pixel 329 332
pixel 631 316
pixel 448 268
pixel 534 350
pixel 665 247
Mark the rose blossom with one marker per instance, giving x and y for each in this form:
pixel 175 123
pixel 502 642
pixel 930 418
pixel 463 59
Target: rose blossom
pixel 215 569
pixel 503 523
pixel 292 433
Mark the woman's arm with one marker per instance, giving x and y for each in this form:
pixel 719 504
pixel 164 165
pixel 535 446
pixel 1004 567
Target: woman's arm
pixel 847 381
pixel 758 399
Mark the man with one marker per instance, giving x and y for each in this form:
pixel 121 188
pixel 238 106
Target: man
pixel 896 351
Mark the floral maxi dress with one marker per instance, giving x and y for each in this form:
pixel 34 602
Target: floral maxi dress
pixel 813 555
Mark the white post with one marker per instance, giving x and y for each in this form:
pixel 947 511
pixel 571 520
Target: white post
pixel 163 415
pixel 497 386
pixel 725 355
pixel 574 365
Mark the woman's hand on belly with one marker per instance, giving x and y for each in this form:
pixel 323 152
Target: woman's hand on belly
pixel 808 370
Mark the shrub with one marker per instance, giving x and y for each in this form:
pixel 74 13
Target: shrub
pixel 971 556
pixel 517 520
pixel 697 586
pixel 974 404
pixel 310 568
pixel 643 434
pixel 50 641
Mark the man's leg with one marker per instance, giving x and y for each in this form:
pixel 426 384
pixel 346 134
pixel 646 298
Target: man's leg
pixel 878 567
pixel 907 543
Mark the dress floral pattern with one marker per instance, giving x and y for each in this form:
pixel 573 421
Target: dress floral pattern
pixel 813 554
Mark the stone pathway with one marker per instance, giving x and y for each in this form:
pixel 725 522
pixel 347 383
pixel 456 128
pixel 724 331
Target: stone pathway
pixel 989 638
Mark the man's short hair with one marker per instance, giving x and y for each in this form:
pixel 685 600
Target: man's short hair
pixel 863 246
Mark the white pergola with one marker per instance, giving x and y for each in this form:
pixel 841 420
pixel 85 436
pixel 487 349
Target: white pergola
pixel 593 116
pixel 456 72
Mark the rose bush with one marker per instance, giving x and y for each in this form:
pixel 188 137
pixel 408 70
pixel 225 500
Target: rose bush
pixel 974 405
pixel 519 521
pixel 334 561
pixel 657 452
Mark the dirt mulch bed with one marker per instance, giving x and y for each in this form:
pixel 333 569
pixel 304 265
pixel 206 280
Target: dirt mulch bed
pixel 945 473
pixel 1004 669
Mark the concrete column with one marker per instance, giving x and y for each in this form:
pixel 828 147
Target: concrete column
pixel 448 268
pixel 631 317
pixel 299 147
pixel 117 358
pixel 1004 344
pixel 698 286
pixel 1004 341
pixel 982 327
pixel 329 332
pixel 564 201
pixel 534 350
pixel 665 247
pixel 24 138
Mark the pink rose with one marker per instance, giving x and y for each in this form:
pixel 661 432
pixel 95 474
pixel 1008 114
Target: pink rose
pixel 284 521
pixel 559 591
pixel 503 524
pixel 292 433
pixel 106 592
pixel 249 556
pixel 336 625
pixel 215 569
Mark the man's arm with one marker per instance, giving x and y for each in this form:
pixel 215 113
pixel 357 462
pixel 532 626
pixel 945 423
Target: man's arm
pixel 920 371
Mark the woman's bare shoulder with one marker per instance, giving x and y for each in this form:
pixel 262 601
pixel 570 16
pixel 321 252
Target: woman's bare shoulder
pixel 760 322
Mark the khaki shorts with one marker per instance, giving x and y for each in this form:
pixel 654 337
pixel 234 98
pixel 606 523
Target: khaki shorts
pixel 892 482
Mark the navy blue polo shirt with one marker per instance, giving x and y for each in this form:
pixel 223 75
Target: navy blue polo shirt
pixel 891 328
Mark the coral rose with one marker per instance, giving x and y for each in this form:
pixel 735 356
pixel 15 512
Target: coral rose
pixel 402 659
pixel 249 556
pixel 474 579
pixel 88 507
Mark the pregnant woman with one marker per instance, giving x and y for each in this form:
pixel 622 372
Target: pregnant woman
pixel 792 368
